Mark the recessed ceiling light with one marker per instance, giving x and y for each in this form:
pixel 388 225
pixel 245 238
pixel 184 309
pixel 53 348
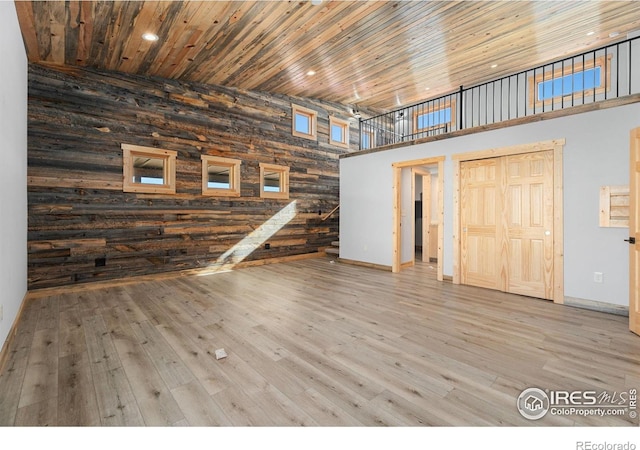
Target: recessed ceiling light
pixel 493 66
pixel 311 73
pixel 427 88
pixel 591 33
pixel 150 37
pixel 316 2
pixel 613 34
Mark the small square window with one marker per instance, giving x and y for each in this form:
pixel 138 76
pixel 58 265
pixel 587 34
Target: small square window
pixel 148 170
pixel 339 132
pixel 220 176
pixel 274 181
pixel 304 122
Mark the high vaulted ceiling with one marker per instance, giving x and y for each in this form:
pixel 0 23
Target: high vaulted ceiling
pixel 374 54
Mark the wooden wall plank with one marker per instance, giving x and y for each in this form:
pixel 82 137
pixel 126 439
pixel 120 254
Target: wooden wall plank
pixel 83 228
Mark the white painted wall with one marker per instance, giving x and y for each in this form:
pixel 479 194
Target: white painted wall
pixel 596 154
pixel 13 170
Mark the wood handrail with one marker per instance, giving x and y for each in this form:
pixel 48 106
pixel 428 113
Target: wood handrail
pixel 330 213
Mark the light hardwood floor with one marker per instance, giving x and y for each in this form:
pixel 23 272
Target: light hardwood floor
pixel 310 343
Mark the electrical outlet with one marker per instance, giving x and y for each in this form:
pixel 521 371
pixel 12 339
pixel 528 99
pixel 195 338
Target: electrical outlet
pixel 598 277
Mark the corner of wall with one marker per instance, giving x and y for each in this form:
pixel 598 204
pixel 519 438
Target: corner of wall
pixel 13 170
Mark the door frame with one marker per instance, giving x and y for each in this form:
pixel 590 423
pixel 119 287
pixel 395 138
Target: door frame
pixel 557 146
pixel 426 212
pixel 397 208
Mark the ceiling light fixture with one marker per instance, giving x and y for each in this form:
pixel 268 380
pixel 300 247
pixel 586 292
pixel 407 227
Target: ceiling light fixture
pixel 150 37
pixel 311 73
pixel 613 34
pixel 316 2
pixel 591 33
pixel 493 66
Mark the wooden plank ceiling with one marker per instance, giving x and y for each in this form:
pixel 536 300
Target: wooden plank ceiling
pixel 375 54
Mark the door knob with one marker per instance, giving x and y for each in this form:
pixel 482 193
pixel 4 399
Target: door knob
pixel 631 240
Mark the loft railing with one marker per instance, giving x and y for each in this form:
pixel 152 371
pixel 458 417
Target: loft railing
pixel 605 73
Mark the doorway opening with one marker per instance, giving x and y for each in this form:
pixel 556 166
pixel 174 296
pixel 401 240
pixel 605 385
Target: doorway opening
pixel 425 196
pixel 418 213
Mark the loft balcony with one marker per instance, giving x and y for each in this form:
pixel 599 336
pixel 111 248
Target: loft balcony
pixel 603 74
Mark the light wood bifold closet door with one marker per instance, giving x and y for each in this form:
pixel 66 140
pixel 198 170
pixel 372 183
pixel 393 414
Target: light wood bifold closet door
pixel 507 223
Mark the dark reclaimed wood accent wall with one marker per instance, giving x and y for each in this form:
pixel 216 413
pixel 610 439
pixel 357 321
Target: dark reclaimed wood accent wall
pixel 84 228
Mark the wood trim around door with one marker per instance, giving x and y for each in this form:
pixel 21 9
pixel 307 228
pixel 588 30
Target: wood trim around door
pixel 557 145
pixel 397 212
pixel 397 205
pixel 558 224
pixel 426 212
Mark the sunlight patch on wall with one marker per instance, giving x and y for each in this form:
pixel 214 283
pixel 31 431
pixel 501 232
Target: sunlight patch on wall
pixel 254 240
